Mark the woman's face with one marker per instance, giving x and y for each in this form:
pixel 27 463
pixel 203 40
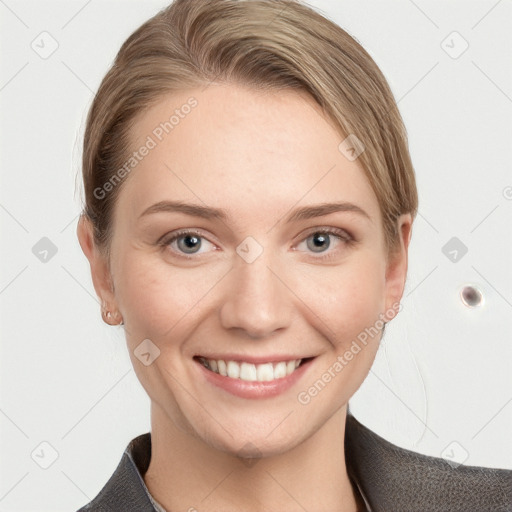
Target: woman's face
pixel 254 270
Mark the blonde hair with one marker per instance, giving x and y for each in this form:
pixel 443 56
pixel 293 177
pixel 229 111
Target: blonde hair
pixel 266 44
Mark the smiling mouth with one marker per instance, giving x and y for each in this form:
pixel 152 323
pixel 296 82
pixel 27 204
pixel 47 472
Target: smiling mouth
pixel 252 372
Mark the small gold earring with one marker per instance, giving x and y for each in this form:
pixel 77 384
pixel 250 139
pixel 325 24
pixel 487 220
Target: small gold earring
pixel 108 316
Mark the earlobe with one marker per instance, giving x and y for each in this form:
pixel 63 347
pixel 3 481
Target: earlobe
pixel 100 272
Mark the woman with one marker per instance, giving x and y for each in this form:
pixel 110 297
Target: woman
pixel 249 199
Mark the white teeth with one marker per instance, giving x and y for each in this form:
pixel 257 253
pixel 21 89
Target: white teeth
pixel 280 370
pixel 222 367
pixel 265 372
pixel 252 372
pixel 233 370
pixel 248 371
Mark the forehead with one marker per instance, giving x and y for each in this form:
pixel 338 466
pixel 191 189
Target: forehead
pixel 243 150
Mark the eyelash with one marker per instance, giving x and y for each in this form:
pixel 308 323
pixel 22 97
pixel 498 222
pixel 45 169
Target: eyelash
pixel 340 234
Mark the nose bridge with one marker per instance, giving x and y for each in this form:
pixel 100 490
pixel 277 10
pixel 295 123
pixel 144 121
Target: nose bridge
pixel 257 301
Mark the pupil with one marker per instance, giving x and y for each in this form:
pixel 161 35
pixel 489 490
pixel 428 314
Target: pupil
pixel 321 241
pixel 192 242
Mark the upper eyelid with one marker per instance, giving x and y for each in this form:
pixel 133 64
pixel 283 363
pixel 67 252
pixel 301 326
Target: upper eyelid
pixel 327 229
pixel 168 237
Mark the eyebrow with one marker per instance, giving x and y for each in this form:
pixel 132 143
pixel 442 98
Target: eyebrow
pixel 207 212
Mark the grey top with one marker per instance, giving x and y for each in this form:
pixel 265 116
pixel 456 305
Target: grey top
pixel 388 477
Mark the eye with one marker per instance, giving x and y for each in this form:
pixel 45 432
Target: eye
pixel 319 241
pixel 186 243
pixel 322 239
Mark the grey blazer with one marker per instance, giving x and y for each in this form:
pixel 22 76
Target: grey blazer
pixel 390 479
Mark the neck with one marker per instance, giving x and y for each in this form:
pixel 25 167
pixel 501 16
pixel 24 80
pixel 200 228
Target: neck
pixel 186 474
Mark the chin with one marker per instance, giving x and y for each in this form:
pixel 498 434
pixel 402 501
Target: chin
pixel 255 447
pixel 257 437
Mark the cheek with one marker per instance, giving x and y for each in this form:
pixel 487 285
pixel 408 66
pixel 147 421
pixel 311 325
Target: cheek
pixel 157 298
pixel 345 304
pixel 346 299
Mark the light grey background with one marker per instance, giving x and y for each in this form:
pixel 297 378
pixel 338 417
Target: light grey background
pixel 441 384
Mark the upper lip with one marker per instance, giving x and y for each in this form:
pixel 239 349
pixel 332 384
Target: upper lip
pixel 253 359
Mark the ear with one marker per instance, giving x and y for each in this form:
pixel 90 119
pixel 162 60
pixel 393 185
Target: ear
pixel 396 271
pixel 100 272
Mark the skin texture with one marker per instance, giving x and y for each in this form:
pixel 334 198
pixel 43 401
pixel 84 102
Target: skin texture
pixel 257 155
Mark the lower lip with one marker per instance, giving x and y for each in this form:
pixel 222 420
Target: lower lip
pixel 254 389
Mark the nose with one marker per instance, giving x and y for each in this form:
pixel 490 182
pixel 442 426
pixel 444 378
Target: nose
pixel 257 301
